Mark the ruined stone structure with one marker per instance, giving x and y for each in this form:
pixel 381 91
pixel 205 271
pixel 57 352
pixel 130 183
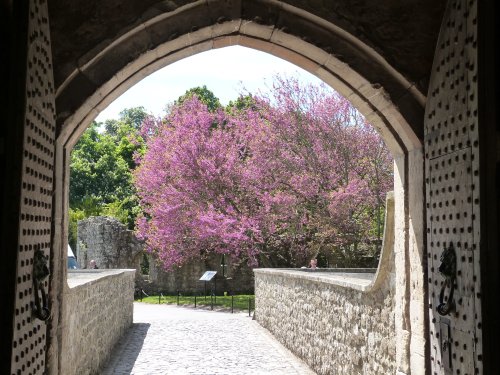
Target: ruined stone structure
pixel 109 243
pixel 423 73
pixel 112 245
pixel 238 277
pixel 98 309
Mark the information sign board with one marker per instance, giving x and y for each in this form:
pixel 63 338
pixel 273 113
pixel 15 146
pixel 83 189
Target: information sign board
pixel 208 275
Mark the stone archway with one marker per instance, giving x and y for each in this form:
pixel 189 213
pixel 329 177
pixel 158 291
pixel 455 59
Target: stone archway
pixel 81 54
pixel 385 97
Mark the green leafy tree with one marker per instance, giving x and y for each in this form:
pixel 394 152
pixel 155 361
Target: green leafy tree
pixel 101 165
pixel 204 95
pixel 75 215
pixel 99 170
pixel 132 117
pixel 244 102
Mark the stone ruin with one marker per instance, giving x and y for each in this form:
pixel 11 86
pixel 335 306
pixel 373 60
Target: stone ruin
pixel 109 243
pixel 238 278
pixel 112 245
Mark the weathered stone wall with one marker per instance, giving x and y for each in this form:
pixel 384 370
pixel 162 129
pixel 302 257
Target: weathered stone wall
pixel 239 279
pixel 339 321
pixel 334 325
pixel 109 242
pixel 112 245
pixel 98 308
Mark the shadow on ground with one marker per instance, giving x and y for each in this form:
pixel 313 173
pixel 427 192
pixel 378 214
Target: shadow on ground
pixel 129 346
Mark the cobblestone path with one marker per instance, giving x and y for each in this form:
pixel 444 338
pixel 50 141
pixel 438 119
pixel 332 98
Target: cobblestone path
pixel 178 340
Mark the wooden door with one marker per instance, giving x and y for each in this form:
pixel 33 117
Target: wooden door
pixel 452 195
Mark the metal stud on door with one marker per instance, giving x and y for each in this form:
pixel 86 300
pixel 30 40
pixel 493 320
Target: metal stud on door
pixel 34 238
pixel 452 196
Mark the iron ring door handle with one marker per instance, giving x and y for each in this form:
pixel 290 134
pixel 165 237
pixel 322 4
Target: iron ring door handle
pixel 447 268
pixel 40 272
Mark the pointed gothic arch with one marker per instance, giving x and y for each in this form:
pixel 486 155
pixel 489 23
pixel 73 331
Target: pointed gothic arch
pixel 391 103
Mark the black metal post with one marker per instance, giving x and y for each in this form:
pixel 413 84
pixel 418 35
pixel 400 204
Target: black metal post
pixel 232 304
pixel 178 294
pixel 223 265
pixel 142 291
pixel 159 298
pixel 211 301
pixel 195 301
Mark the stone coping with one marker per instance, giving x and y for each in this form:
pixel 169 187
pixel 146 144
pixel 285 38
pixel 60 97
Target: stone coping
pixel 78 278
pixel 359 279
pixel 337 270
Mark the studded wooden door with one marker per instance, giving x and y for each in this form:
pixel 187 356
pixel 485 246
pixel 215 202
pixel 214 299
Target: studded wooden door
pixel 30 332
pixel 452 195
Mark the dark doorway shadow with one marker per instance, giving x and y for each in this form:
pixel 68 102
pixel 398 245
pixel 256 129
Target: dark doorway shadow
pixel 126 350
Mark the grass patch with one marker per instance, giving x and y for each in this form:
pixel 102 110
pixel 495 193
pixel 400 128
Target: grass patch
pixel 240 301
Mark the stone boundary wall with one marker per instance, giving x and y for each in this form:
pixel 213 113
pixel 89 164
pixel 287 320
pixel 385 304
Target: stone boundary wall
pixel 339 321
pixel 185 279
pixel 98 309
pixel 331 323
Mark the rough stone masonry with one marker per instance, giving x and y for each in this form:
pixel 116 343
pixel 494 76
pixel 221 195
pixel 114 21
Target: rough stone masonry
pixel 332 322
pixel 109 243
pixel 98 310
pixel 112 245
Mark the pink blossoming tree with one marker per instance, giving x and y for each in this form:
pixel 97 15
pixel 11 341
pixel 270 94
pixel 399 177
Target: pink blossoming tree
pixel 273 180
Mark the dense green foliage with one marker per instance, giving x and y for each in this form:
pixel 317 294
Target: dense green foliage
pixel 101 164
pixel 242 103
pixel 206 96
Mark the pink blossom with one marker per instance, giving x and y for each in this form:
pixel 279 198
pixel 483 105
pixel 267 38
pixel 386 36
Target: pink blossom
pixel 263 182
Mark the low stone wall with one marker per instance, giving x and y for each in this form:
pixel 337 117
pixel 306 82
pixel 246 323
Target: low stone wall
pixel 329 321
pixel 98 308
pixel 337 321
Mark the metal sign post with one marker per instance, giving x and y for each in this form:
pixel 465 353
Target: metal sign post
pixel 208 276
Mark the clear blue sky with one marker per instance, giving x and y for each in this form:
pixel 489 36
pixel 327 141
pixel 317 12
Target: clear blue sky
pixel 225 71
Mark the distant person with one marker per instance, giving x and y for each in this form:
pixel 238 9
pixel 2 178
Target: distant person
pixel 313 264
pixel 93 265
